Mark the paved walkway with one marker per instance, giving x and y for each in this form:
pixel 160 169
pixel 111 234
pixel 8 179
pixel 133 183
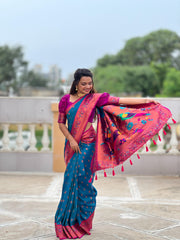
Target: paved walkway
pixel 128 207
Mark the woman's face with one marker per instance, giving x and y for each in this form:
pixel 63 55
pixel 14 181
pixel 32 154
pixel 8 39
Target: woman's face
pixel 85 85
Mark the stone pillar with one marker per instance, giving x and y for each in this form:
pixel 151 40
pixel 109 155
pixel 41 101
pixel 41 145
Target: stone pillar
pixel 173 141
pixel 58 140
pixel 19 140
pixel 33 140
pixel 5 138
pixel 161 143
pixel 45 138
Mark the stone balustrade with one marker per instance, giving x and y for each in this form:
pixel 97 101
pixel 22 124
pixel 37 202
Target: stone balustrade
pixel 32 112
pixel 19 146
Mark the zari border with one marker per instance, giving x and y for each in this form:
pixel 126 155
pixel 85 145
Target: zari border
pixel 75 231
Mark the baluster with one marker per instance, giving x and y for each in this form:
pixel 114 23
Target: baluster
pixel 45 138
pixel 19 140
pixel 5 138
pixel 173 141
pixel 33 141
pixel 161 143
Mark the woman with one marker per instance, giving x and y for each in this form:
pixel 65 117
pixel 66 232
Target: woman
pixel 124 126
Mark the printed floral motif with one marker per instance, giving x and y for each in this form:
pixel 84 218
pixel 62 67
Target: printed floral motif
pixel 107 134
pixel 126 115
pixel 129 125
pixel 143 121
pixel 116 133
pixel 123 140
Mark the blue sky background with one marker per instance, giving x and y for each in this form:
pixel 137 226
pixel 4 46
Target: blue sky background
pixel 75 33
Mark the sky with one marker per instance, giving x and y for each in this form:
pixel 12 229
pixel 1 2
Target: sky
pixel 76 33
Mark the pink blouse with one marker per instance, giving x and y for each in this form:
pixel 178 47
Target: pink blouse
pixel 65 103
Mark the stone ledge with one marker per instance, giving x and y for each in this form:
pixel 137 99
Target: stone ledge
pixel 26 161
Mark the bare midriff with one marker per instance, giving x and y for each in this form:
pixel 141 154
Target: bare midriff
pixel 88 126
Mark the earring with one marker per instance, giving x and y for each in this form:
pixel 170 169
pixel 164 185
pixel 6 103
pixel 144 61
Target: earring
pixel 76 89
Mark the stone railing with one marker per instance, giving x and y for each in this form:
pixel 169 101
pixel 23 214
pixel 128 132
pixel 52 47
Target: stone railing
pixel 23 155
pixel 167 141
pixel 18 149
pixel 19 141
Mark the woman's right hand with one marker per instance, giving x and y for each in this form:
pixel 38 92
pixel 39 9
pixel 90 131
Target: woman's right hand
pixel 74 145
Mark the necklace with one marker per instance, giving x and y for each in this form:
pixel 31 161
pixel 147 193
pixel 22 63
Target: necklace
pixel 80 94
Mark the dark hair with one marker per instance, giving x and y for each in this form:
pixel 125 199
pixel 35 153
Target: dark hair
pixel 79 73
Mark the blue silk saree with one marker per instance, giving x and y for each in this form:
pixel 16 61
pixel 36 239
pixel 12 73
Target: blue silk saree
pixel 76 208
pixel 121 131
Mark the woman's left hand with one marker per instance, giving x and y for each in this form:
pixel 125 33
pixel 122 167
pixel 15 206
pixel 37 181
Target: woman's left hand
pixel 148 100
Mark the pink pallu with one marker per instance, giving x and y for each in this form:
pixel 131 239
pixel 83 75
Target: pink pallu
pixel 121 130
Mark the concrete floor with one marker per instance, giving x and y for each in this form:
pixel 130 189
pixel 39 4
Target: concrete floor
pixel 128 207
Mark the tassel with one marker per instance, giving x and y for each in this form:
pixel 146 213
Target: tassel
pixel 147 149
pixel 131 162
pixel 169 126
pixel 154 142
pixel 122 168
pixel 138 156
pixel 113 172
pixel 96 178
pixel 159 137
pixel 174 121
pixel 105 174
pixel 164 132
pixel 90 180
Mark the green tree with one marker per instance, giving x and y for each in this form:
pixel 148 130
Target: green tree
pixel 171 85
pixel 141 79
pixel 134 53
pixel 124 79
pixel 11 65
pixel 161 70
pixel 106 60
pixel 109 79
pixel 176 61
pixel 158 46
